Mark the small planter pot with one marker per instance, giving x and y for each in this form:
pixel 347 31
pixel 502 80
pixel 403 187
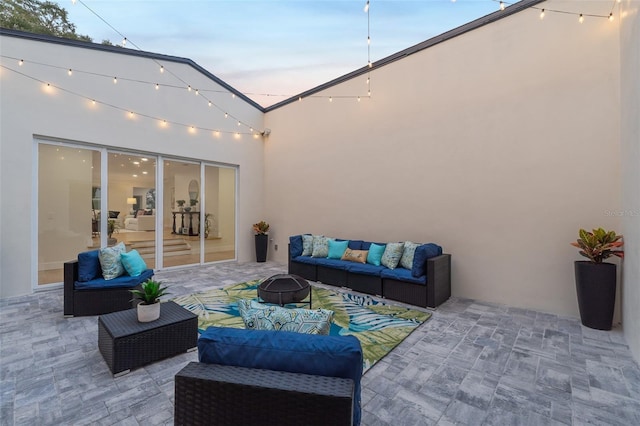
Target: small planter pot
pixel 262 242
pixel 148 313
pixel 596 290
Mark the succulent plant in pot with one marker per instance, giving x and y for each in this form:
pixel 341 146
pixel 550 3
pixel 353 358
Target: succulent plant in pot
pixel 149 296
pixel 261 230
pixel 595 279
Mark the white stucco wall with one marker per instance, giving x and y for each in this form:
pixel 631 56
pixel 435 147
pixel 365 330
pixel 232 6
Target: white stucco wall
pixel 630 137
pixel 28 109
pixel 489 144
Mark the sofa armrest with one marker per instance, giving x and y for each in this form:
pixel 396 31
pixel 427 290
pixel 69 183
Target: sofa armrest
pixel 438 280
pixel 70 277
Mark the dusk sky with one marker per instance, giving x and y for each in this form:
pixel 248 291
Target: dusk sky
pixel 275 47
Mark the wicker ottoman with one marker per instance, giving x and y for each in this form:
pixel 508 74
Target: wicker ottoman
pixel 213 394
pixel 126 343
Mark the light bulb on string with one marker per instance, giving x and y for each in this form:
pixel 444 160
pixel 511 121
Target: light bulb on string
pixel 210 104
pixel 299 98
pixel 358 98
pixel 330 99
pixel 369 40
pixel 189 88
pixel 157 86
pixel 233 96
pixel 161 69
pixel 70 71
pixel 542 14
pixel 239 124
pixel 197 92
pixel 124 42
pixel 226 115
pixel 611 17
pixel 581 18
pixel 21 62
pixel 115 80
pixel 366 7
pixel 501 5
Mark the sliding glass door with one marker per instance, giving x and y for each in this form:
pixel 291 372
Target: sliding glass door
pixel 93 197
pixel 69 195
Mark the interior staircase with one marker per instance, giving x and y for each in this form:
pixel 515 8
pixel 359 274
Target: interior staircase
pixel 171 247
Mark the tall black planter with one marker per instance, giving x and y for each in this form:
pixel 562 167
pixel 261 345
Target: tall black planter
pixel 262 241
pixel 596 288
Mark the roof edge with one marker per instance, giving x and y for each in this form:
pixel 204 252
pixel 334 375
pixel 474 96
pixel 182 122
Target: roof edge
pixel 470 26
pixel 121 50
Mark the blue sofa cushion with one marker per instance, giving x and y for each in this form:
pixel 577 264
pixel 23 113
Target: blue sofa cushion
pixel 424 252
pixel 306 259
pixel 334 263
pixel 123 281
pixel 89 266
pixel 355 244
pixel 402 274
pixel 365 269
pixel 333 356
pixel 295 245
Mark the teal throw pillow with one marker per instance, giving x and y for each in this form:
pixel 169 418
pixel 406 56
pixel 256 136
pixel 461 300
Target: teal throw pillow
pixel 375 254
pixel 258 316
pixel 110 261
pixel 337 249
pixel 406 261
pixel 392 255
pixel 320 246
pixel 307 245
pixel 133 263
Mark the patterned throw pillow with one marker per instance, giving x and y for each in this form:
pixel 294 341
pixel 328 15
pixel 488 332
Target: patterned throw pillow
pixel 406 261
pixel 355 255
pixel 320 246
pixel 110 261
pixel 258 316
pixel 307 245
pixel 392 255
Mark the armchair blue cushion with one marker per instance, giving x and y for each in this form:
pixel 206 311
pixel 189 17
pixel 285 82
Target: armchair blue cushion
pixel 422 253
pixel 89 266
pixel 333 356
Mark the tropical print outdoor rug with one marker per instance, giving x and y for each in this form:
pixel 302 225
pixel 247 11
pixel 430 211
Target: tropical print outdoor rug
pixel 379 326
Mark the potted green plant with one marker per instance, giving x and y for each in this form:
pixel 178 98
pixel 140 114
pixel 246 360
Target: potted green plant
pixel 149 296
pixel 261 230
pixel 595 279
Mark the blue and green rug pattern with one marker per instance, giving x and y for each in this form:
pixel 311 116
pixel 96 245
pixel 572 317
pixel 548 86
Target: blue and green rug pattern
pixel 379 326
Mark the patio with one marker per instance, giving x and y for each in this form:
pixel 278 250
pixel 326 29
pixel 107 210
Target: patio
pixel 471 363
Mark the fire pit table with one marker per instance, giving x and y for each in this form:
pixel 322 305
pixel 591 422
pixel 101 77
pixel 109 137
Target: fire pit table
pixel 282 289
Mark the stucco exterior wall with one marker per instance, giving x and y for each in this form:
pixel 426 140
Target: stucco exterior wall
pixel 489 144
pixel 29 109
pixel 630 138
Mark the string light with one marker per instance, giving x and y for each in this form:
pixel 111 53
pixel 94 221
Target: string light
pixel 611 17
pixel 581 18
pixel 542 14
pixel 226 115
pixel 115 80
pixel 161 69
pixel 210 103
pixel 330 99
pixel 501 5
pixel 189 88
pixel 197 92
pixel 366 7
pixel 124 41
pixel 69 72
pixel 21 62
pixel 157 86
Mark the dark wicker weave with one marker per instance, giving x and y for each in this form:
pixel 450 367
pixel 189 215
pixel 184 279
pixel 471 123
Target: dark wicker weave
pixel 212 394
pixel 126 343
pixel 92 302
pixel 434 293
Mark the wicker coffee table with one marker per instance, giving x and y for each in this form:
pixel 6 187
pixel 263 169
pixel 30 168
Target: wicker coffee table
pixel 126 344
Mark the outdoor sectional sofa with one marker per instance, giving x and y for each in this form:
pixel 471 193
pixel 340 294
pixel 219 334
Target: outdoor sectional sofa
pixel 86 292
pixel 267 377
pixel 427 284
